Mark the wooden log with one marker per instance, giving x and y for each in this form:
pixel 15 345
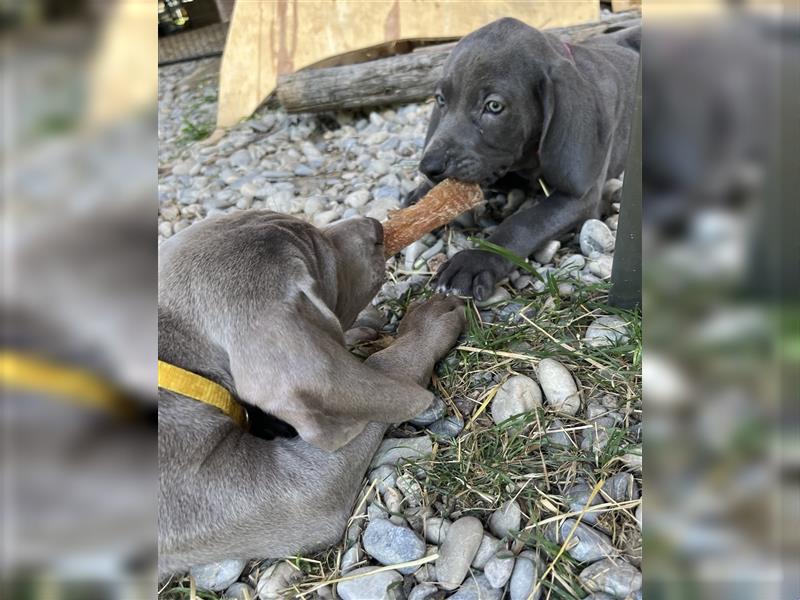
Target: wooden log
pixel 441 205
pixel 408 77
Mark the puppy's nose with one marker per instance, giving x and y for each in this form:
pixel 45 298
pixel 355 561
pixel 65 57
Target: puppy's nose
pixel 433 165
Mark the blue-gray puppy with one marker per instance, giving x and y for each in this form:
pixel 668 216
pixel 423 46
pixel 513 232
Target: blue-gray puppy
pixel 258 302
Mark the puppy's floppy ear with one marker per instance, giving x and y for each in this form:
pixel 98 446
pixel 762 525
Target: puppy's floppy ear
pixel 436 114
pixel 292 363
pixel 576 130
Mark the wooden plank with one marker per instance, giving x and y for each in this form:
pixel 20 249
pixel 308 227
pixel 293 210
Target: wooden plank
pixel 409 77
pixel 269 38
pixel 623 5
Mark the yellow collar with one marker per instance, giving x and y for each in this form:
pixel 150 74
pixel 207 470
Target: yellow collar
pixel 192 385
pixel 31 373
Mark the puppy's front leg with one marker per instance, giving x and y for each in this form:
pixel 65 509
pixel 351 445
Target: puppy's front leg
pixel 302 496
pixel 426 334
pixel 476 272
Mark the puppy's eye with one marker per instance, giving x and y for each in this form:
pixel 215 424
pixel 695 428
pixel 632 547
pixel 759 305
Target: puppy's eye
pixel 439 99
pixel 494 107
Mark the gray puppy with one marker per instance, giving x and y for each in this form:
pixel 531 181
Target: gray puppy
pixel 514 101
pixel 258 302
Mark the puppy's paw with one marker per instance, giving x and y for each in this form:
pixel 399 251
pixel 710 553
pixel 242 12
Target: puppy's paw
pixel 417 195
pixel 435 324
pixel 472 273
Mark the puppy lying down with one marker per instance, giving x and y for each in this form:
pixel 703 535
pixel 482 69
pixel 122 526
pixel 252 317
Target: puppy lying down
pixel 257 302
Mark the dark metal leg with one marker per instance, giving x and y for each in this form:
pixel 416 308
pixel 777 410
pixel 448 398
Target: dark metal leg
pixel 626 274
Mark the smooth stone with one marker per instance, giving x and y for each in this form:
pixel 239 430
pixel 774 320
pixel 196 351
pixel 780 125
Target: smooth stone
pixel 490 545
pixel 386 192
pixel 350 559
pixel 169 213
pixel 241 158
pixel 595 236
pixel 376 512
pixel 546 253
pixel 506 519
pixel 456 553
pixel 558 386
pixel 601 265
pixel 277 577
pixel 633 460
pixel 499 295
pixel 303 171
pixel 522 282
pixel 357 199
pixel 617 578
pixel 433 250
pixel 383 476
pixel 577 496
pixel 411 490
pixel 436 529
pixel 447 427
pixel 518 394
pixel 557 436
pixel 380 586
pixel 565 290
pixel 499 568
pixel 433 413
pixel 426 573
pixel 586 544
pixel 416 517
pixel 599 596
pixel 411 253
pixel 391 544
pixel 572 263
pixel 182 168
pixel 621 487
pixel 379 209
pixel 422 591
pixel 353 532
pixel 589 279
pixel 524 577
pixel 638 516
pixel 393 450
pixel 239 591
pixel 217 576
pixel 606 331
pixel 393 500
pixel 325 217
pixel 612 222
pixel 477 587
pixel 165 228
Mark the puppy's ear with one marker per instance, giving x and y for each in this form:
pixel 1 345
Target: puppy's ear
pixel 436 114
pixel 574 144
pixel 294 365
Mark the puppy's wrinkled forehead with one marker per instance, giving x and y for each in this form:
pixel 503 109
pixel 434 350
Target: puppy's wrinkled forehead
pixel 251 256
pixel 495 51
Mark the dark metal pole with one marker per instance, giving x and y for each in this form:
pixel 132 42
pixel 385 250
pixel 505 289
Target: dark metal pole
pixel 626 274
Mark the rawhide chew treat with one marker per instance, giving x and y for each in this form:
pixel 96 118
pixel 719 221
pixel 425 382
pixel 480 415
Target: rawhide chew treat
pixel 438 207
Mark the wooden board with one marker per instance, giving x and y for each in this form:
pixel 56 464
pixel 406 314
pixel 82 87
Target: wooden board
pixel 623 5
pixel 122 77
pixel 268 38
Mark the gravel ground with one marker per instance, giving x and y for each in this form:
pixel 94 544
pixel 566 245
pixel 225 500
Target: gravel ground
pixel 522 480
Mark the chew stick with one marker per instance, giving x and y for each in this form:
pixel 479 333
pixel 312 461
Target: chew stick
pixel 441 205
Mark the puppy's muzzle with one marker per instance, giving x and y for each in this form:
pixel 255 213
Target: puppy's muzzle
pixel 434 166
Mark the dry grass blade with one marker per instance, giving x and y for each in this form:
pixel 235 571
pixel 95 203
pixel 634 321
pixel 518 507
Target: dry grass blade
pixel 567 540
